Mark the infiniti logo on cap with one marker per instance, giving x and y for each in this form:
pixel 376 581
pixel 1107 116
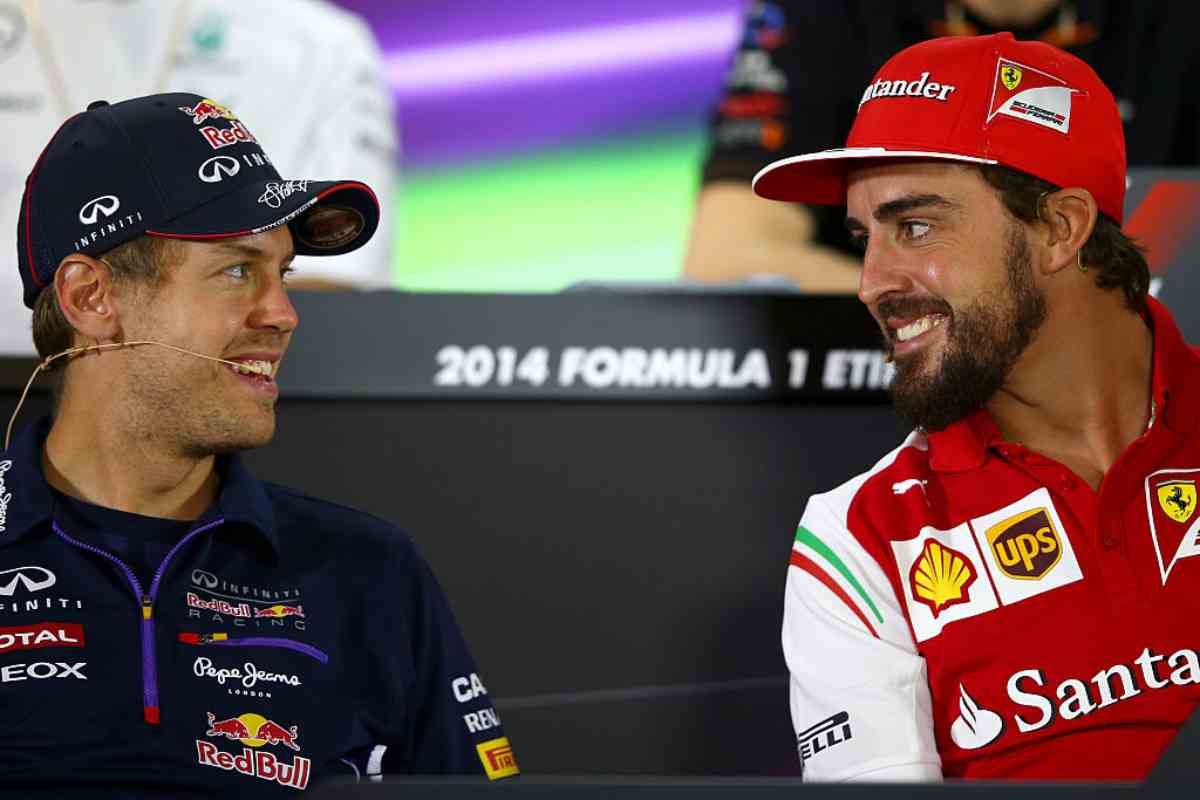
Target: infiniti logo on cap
pixel 104 205
pixel 217 168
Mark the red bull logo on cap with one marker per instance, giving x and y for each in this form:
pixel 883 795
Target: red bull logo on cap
pixel 254 731
pixel 207 109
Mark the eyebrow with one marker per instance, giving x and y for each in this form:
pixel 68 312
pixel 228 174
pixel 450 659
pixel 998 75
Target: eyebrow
pixel 894 208
pixel 251 250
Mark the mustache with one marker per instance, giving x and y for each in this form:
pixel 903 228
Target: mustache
pixel 912 307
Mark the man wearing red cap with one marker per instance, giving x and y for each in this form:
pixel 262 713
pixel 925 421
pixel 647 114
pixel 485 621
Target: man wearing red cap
pixel 1009 593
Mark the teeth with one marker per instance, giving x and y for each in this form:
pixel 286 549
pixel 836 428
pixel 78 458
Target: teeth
pixel 915 329
pixel 264 368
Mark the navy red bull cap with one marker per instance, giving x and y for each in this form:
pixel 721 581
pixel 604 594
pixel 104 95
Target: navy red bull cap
pixel 984 99
pixel 178 166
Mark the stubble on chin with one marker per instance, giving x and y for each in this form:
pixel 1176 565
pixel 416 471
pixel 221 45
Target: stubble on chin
pixel 982 343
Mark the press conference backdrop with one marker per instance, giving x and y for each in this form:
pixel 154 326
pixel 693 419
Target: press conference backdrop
pixel 607 484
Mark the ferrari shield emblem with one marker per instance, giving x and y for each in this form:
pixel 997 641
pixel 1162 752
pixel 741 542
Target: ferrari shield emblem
pixel 1010 76
pixel 1177 499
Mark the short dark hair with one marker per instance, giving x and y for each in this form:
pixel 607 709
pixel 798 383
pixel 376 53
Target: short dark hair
pixel 140 262
pixel 1119 261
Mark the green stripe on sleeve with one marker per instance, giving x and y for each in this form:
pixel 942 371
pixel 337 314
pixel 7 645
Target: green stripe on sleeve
pixel 806 537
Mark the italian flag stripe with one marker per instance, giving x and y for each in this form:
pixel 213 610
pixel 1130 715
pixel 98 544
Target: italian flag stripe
pixel 805 563
pixel 809 539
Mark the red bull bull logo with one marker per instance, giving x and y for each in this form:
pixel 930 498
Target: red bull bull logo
pixel 279 611
pixel 254 731
pixel 205 110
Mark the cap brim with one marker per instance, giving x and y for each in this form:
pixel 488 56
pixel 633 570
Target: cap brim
pixel 327 218
pixel 820 178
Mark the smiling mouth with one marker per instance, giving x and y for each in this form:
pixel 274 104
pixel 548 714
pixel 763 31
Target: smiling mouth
pixel 264 370
pixel 914 329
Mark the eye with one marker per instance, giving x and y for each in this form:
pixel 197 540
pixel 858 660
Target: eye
pixel 286 273
pixel 859 242
pixel 913 229
pixel 236 271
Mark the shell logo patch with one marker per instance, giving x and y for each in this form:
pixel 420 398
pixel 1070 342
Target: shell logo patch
pixel 1031 95
pixel 941 577
pixel 941 574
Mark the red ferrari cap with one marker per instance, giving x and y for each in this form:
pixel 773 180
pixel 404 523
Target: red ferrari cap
pixel 976 99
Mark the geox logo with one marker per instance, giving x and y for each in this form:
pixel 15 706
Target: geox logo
pixel 922 87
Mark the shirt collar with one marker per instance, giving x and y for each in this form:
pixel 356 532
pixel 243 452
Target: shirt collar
pixel 28 500
pixel 1174 388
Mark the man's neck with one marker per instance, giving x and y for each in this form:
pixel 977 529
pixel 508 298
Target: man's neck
pixel 1081 393
pixel 105 465
pixel 1003 14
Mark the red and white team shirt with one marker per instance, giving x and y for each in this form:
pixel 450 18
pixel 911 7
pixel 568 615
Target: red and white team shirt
pixel 971 608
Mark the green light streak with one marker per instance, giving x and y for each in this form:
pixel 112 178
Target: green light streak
pixel 619 210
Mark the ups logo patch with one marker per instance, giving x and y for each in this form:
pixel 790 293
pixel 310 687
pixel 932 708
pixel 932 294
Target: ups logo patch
pixel 1026 546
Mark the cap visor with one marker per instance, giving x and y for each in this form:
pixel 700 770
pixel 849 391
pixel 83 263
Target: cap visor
pixel 820 178
pixel 327 218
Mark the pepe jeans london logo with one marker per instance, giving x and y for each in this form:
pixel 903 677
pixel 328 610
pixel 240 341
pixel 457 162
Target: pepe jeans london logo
pixel 5 495
pixel 105 205
pixel 247 676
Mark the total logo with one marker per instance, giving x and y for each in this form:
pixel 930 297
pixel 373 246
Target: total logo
pixel 43 634
pixel 254 731
pixel 994 560
pixel 976 727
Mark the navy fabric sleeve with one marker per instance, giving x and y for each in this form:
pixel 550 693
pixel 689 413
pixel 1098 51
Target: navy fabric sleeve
pixel 453 728
pixel 786 91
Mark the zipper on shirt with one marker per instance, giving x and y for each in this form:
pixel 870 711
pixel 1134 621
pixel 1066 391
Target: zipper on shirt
pixel 150 708
pixel 225 640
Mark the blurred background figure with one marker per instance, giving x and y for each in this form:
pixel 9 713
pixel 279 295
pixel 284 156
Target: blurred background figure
pixel 307 74
pixel 800 70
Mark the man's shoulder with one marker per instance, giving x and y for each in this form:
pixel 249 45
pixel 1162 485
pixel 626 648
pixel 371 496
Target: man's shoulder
pixel 903 469
pixel 299 514
pixel 310 18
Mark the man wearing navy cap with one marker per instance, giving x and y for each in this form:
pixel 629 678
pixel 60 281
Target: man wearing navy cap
pixel 1011 593
pixel 165 618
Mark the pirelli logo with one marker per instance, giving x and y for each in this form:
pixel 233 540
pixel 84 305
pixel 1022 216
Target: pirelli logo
pixel 824 735
pixel 498 759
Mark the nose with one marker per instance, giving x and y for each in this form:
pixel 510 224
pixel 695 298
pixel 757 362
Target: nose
pixel 274 308
pixel 882 272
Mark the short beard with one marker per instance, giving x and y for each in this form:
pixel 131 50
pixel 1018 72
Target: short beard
pixel 983 342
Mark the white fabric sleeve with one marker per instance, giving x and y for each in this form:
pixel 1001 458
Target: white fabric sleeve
pixel 352 135
pixel 860 698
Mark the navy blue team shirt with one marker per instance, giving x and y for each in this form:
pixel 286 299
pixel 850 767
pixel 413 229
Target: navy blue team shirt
pixel 276 641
